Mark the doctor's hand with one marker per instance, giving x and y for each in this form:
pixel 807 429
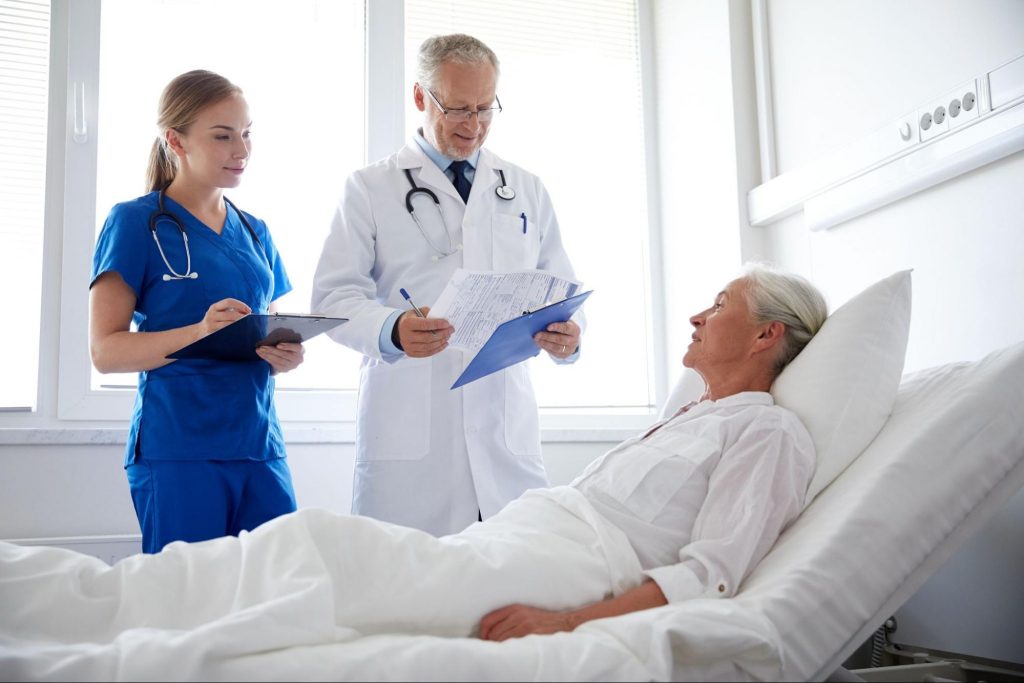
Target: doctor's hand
pixel 282 357
pixel 422 337
pixel 221 314
pixel 516 621
pixel 561 340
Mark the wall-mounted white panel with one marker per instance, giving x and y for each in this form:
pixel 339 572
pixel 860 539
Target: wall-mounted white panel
pixel 947 135
pixel 784 195
pixel 991 139
pixel 1006 83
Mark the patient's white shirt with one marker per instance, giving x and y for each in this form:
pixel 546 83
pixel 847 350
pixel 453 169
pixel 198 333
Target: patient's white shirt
pixel 703 496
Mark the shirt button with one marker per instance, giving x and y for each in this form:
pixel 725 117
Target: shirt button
pixel 721 588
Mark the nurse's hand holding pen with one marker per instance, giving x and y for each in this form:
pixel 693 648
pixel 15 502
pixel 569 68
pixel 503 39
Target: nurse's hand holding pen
pixel 222 314
pixel 561 340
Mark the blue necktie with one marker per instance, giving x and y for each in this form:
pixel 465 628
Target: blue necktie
pixel 462 185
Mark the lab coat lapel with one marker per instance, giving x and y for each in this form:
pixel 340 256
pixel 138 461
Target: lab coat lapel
pixel 412 157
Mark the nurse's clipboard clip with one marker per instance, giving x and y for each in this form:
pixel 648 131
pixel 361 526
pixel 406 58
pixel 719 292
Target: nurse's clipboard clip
pixel 238 341
pixel 512 341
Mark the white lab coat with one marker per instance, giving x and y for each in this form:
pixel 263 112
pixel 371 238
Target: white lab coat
pixel 428 456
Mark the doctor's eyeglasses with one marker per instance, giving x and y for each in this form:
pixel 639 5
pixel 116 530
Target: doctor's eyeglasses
pixel 463 115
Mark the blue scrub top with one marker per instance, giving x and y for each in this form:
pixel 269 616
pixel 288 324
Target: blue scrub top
pixel 196 409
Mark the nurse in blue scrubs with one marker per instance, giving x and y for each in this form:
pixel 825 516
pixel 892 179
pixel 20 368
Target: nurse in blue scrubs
pixel 205 456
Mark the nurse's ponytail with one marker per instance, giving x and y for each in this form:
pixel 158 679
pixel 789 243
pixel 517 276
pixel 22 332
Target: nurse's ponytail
pixel 180 104
pixel 162 166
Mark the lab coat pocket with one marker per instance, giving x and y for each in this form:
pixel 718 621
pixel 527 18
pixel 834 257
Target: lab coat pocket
pixel 514 249
pixel 394 411
pixel 522 423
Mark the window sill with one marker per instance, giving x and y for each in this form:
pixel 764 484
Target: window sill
pixel 298 434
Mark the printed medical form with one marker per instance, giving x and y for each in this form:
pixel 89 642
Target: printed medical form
pixel 476 302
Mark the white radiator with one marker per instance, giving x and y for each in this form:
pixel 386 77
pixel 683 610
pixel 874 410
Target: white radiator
pixel 110 549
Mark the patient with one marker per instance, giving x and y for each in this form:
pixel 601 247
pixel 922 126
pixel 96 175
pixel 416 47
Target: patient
pixel 685 510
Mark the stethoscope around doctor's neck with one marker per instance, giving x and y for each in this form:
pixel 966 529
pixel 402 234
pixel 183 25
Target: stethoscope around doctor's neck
pixel 189 274
pixel 503 191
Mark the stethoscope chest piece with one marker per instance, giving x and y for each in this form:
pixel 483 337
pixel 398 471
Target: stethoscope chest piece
pixel 503 190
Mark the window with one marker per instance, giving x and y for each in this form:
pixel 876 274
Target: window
pixel 573 114
pixel 24 79
pixel 328 82
pixel 296 173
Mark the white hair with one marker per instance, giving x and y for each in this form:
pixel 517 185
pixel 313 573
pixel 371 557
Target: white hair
pixel 455 47
pixel 774 295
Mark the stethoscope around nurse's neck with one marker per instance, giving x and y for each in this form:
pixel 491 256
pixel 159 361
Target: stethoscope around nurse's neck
pixel 503 191
pixel 189 274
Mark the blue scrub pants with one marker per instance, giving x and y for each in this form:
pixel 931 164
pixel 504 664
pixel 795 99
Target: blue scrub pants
pixel 186 500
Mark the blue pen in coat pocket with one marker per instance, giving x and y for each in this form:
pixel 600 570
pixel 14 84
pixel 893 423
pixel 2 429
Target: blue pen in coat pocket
pixel 523 216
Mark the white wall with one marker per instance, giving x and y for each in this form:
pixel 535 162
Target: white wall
pixel 67 490
pixel 841 69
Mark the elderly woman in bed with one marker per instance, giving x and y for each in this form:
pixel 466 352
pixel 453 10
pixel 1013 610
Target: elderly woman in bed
pixel 702 496
pixel 684 510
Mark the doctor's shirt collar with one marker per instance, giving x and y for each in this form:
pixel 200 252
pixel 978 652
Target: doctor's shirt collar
pixel 441 160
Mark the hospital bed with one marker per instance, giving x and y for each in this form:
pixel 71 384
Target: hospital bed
pixel 948 453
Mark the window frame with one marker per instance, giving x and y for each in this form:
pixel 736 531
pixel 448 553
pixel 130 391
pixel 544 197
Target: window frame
pixel 65 392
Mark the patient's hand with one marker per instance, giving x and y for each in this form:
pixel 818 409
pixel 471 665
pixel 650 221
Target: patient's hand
pixel 516 621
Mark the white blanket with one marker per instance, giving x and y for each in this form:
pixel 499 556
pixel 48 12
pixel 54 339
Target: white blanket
pixel 315 595
pixel 274 605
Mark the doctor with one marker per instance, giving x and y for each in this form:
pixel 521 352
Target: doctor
pixel 427 456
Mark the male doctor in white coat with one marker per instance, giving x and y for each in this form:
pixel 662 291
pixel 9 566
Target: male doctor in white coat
pixel 428 456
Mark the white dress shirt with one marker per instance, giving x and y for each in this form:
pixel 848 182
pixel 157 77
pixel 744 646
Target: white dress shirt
pixel 704 495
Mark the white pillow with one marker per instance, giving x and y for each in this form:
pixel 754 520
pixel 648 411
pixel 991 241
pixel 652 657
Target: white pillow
pixel 689 387
pixel 843 384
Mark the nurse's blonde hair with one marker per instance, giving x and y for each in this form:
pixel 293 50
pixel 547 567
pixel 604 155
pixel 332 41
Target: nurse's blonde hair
pixel 180 104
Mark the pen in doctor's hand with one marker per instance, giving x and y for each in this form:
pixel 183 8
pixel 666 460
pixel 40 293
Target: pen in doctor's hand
pixel 405 295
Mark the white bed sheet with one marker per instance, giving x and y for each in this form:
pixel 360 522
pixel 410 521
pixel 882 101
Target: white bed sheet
pixel 951 453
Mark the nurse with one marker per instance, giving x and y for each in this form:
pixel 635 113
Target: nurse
pixel 426 456
pixel 205 456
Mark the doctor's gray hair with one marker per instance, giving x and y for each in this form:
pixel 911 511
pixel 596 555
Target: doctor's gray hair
pixel 774 295
pixel 180 103
pixel 455 47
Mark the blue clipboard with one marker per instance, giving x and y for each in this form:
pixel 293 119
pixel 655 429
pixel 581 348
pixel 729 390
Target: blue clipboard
pixel 512 341
pixel 238 341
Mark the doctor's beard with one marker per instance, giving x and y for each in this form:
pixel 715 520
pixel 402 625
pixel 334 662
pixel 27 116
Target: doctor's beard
pixel 448 149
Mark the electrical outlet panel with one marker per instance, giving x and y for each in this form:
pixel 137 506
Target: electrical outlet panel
pixel 906 134
pixel 955 108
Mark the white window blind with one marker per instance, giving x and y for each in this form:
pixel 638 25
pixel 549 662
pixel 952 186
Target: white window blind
pixel 571 89
pixel 24 78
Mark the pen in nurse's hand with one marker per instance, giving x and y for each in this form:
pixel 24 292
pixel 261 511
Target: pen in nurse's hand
pixel 405 295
